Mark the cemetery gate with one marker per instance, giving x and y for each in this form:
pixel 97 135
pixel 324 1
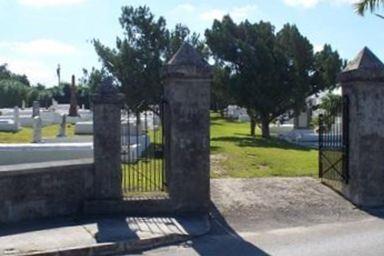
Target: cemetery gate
pixel 142 149
pixel 333 144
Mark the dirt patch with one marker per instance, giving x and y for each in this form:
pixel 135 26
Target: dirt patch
pixel 267 203
pixel 217 166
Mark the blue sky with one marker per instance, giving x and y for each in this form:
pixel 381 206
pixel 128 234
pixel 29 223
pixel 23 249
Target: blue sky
pixel 36 35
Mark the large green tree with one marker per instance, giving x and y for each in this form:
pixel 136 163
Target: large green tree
pixel 5 73
pixel 271 73
pixel 220 89
pixel 330 104
pixel 12 93
pixel 139 56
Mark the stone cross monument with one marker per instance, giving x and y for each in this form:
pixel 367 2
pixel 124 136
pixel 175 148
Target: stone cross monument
pixel 363 83
pixel 73 99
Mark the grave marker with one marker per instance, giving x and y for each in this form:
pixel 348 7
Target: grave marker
pixel 16 117
pixel 35 108
pixel 63 126
pixel 37 129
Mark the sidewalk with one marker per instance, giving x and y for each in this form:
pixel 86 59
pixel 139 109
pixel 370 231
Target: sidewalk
pixel 98 236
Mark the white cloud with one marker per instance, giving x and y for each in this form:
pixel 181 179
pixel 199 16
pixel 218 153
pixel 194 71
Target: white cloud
pixel 35 70
pixel 50 3
pixel 318 47
pixel 302 3
pixel 37 58
pixel 212 14
pixel 313 3
pixel 39 47
pixel 241 13
pixel 184 8
pixel 237 13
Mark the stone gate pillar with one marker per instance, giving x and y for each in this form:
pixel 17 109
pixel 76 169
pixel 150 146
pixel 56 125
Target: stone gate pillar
pixel 187 95
pixel 363 82
pixel 107 141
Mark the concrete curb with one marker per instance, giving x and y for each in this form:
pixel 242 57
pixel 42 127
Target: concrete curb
pixel 121 247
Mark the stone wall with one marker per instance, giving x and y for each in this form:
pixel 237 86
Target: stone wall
pixel 11 154
pixel 31 191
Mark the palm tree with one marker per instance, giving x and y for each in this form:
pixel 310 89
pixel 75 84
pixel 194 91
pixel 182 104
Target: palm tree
pixel 369 5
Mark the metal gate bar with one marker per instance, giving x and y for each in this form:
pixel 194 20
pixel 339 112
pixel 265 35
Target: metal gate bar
pixel 333 143
pixel 142 150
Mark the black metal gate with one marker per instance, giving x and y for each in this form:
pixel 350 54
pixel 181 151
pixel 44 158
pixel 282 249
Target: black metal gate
pixel 333 144
pixel 142 149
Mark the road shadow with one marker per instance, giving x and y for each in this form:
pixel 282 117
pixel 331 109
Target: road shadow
pixel 115 229
pixel 223 240
pixel 37 225
pixel 376 212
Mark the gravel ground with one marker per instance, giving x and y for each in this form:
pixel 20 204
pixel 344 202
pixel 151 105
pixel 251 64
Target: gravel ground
pixel 270 203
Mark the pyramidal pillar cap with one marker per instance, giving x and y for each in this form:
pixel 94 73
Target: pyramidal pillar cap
pixel 187 62
pixel 107 93
pixel 366 66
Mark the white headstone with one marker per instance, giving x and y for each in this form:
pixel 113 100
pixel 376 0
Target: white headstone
pixel 55 104
pixel 37 129
pixel 303 121
pixel 23 104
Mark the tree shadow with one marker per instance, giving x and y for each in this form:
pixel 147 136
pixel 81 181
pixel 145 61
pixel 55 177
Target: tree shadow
pixel 216 123
pixel 215 119
pixel 215 149
pixel 259 141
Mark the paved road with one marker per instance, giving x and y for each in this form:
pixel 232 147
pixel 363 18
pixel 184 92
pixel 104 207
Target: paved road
pixel 363 237
pixel 287 217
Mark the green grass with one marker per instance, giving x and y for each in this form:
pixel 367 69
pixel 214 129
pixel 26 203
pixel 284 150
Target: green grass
pixel 236 154
pixel 144 176
pixel 25 135
pixel 233 154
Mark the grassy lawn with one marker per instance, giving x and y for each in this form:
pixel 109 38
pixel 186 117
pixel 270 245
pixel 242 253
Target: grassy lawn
pixel 236 154
pixel 25 135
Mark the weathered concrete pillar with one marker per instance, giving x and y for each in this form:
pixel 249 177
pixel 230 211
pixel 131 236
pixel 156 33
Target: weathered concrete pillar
pixel 107 141
pixel 37 129
pixel 187 93
pixel 363 82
